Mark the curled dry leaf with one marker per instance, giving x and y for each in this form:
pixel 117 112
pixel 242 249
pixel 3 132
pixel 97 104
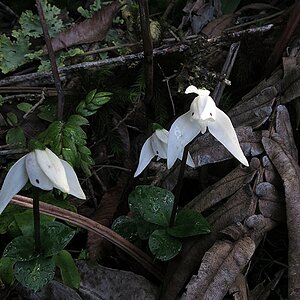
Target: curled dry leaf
pixel 239 289
pixel 206 149
pixel 88 31
pixel 216 27
pixel 289 171
pixel 271 203
pixel 225 187
pixel 256 110
pixel 270 173
pixel 219 268
pixel 284 129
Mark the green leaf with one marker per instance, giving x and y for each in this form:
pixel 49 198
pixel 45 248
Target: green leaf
pixel 15 137
pixel 7 217
pixel 68 270
pixel 55 237
pixel 77 120
pixel 12 54
pixel 145 229
pixel 20 248
pixel 70 155
pixel 63 203
pixel 188 222
pixel 36 273
pixel 101 98
pixel 163 246
pixel 151 203
pixel 24 221
pixel 12 119
pixel 47 113
pixel 25 107
pixel 6 270
pixel 84 150
pixel 126 227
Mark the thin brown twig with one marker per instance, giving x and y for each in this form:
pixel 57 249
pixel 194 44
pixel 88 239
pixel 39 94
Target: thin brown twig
pixel 92 226
pixel 57 82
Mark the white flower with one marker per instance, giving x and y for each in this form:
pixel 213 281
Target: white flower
pixel 203 114
pixel 45 171
pixel 157 145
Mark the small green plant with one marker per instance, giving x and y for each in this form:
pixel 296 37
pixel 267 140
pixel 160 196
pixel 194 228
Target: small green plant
pixel 21 261
pixel 97 5
pixel 151 208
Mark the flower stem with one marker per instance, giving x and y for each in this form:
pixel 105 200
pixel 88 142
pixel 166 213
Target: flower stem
pixel 179 185
pixel 36 220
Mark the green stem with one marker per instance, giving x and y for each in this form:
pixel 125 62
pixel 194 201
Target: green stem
pixel 36 220
pixel 179 185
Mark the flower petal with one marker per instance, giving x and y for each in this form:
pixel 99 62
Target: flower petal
pixel 36 176
pixel 224 132
pixel 201 92
pixel 182 131
pixel 14 181
pixel 203 108
pixel 52 167
pixel 146 155
pixel 74 185
pixel 159 143
pixel 162 134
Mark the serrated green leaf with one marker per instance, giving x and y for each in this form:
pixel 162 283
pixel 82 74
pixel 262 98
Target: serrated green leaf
pixel 25 107
pixel 12 119
pixel 55 237
pixel 152 203
pixel 77 120
pixel 6 270
pixel 126 227
pixel 36 273
pixel 163 246
pixel 68 270
pixel 70 155
pixel 188 222
pixel 15 137
pixel 85 168
pixel 20 248
pixel 84 150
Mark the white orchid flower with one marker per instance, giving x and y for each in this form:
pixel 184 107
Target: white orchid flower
pixel 157 145
pixel 45 171
pixel 203 114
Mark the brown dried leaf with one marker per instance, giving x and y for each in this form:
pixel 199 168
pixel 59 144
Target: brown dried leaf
pixel 289 171
pixel 88 31
pixel 270 174
pixel 239 289
pixel 220 267
pixel 271 203
pixel 236 209
pixel 225 187
pixel 284 129
pixel 255 110
pixel 206 149
pixel 291 79
pixel 110 201
pixel 216 27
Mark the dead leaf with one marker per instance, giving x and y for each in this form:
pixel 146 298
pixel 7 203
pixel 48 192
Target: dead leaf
pixel 216 27
pixel 255 110
pixel 269 172
pixel 289 171
pixel 220 266
pixel 271 203
pixel 284 129
pixel 225 187
pixel 239 289
pixel 98 246
pixel 88 31
pixel 206 149
pixel 291 79
pixel 99 282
